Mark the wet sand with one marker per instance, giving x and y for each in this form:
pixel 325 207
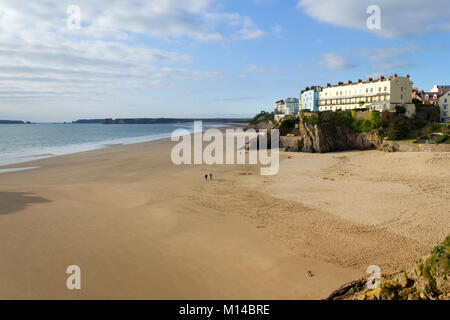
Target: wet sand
pixel 140 227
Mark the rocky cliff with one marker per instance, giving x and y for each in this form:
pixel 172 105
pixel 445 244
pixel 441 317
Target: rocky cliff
pixel 428 279
pixel 327 137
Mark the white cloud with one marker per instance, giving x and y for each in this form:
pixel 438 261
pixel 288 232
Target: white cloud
pixel 400 17
pixel 260 69
pixel 393 60
pixel 393 66
pixel 196 19
pixel 249 30
pixel 334 61
pixel 41 58
pixel 380 54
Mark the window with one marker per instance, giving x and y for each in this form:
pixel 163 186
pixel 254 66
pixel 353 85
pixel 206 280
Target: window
pixel 367 90
pixel 371 89
pixel 401 97
pixel 379 89
pixel 385 89
pixel 401 89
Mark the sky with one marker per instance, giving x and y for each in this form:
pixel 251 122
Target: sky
pixel 205 58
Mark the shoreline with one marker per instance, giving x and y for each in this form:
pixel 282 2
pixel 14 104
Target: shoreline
pixel 140 227
pixel 99 145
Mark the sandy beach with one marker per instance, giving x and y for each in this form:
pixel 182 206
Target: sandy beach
pixel 140 227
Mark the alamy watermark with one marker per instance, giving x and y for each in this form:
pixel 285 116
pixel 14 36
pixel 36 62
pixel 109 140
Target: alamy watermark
pixel 73 21
pixel 374 280
pixel 235 146
pixel 374 20
pixel 73 282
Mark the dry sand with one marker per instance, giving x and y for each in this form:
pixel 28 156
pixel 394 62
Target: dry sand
pixel 142 228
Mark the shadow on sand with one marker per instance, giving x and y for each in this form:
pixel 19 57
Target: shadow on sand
pixel 11 202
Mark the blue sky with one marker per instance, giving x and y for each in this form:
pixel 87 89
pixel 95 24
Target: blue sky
pixel 205 58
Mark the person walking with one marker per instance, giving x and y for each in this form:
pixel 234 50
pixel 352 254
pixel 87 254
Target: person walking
pixel 210 176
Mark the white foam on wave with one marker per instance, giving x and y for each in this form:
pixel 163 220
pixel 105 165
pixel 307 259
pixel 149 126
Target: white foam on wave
pixel 17 169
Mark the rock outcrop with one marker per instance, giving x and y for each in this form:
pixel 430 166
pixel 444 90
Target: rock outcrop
pixel 428 279
pixel 327 137
pixel 262 120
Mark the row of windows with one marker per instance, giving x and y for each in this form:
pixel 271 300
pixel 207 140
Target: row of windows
pixel 349 92
pixel 342 108
pixel 354 100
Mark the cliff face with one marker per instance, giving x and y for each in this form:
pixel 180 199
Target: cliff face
pixel 322 138
pixel 428 279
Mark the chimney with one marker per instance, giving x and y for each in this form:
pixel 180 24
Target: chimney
pixel 407 76
pixel 381 78
pixel 328 85
pixel 359 80
pixel 369 79
pixel 395 75
pixel 349 82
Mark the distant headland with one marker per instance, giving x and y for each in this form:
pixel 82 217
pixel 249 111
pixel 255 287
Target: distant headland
pixel 14 122
pixel 159 120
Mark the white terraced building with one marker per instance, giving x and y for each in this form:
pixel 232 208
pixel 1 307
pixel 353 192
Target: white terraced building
pixel 383 94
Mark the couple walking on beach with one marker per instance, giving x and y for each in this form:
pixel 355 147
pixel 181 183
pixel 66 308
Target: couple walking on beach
pixel 210 177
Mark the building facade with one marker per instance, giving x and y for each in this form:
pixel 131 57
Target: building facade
pixel 383 94
pixel 429 97
pixel 287 107
pixel 292 106
pixel 444 102
pixel 310 99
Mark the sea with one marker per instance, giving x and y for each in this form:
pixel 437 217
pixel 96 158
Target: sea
pixel 26 142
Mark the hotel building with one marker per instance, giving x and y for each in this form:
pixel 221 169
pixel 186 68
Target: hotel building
pixel 444 102
pixel 287 107
pixel 310 98
pixel 383 94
